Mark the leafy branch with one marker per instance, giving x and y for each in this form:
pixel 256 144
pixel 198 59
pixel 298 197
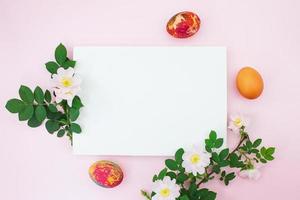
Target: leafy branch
pixel 38 106
pixel 243 157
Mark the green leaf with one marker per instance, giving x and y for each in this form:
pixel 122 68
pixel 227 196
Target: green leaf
pixel 185 197
pixel 208 149
pixel 215 157
pixel 74 113
pixel 60 54
pixel 40 113
pixel 52 67
pixel 26 113
pixel 263 160
pixel 155 178
pixel 256 143
pixel 269 157
pixel 75 128
pixel 223 173
pixel 162 174
pixel 263 151
pixel 48 97
pixel 69 63
pixel 172 175
pixel 152 194
pixel 178 156
pixel 14 105
pixel 216 169
pixel 182 177
pixel 223 163
pixel 209 143
pixel 202 193
pixel 258 155
pixel 270 150
pixel 61 133
pixel 52 108
pixel 219 142
pixel 193 189
pixel 39 95
pixel 171 164
pixel 210 196
pixel 267 153
pixel 56 115
pixel 223 154
pixel 249 144
pixel 254 151
pixel 52 126
pixel 26 94
pixel 33 122
pixel 234 161
pixel 229 177
pixel 76 103
pixel 212 135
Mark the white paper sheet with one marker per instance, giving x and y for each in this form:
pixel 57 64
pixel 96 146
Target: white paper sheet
pixel 149 100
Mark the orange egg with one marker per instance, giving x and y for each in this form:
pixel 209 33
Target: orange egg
pixel 249 83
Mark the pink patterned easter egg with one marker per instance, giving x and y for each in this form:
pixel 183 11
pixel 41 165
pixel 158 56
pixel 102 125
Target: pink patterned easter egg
pixel 106 173
pixel 183 25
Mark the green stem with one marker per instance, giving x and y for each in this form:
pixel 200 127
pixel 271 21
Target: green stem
pixel 68 123
pixel 146 195
pixel 247 158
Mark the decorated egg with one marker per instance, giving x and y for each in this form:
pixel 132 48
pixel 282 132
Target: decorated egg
pixel 106 174
pixel 249 83
pixel 183 25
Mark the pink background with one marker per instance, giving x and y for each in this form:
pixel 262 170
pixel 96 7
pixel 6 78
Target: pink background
pixel 264 34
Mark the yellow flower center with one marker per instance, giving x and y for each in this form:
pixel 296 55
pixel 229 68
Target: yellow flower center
pixel 195 158
pixel 237 122
pixel 165 192
pixel 66 82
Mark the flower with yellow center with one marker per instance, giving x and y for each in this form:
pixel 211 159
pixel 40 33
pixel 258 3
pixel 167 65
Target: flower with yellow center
pixel 195 160
pixel 236 122
pixel 166 189
pixel 66 85
pixel 66 81
pixel 165 192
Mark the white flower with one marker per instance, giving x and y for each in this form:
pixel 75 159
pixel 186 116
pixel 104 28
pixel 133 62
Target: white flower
pixel 253 174
pixel 195 160
pixel 166 189
pixel 66 85
pixel 236 122
pixel 65 94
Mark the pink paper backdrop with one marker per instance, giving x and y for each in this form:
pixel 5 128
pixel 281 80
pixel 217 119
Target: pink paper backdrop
pixel 35 165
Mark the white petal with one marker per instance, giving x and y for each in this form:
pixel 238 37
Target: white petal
pixel 167 180
pixel 76 81
pixel 256 175
pixel 233 127
pixel 201 170
pixel 69 72
pixel 156 197
pixel 157 186
pixel 61 72
pixel 70 102
pixel 186 155
pixel 58 99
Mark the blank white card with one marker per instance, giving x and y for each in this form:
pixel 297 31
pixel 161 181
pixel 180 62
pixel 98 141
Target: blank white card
pixel 149 101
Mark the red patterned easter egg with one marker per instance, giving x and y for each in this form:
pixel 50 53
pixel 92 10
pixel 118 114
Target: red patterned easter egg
pixel 183 25
pixel 106 173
